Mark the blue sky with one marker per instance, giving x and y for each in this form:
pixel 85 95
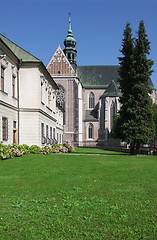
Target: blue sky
pixel 39 26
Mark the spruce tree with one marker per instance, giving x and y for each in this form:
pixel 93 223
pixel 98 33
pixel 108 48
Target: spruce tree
pixel 136 125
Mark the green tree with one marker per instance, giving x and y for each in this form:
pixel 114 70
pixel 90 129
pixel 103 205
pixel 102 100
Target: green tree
pixel 136 124
pixel 155 118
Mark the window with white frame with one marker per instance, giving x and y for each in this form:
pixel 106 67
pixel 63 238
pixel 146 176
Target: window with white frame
pixel 50 132
pixel 13 86
pixel 2 78
pixel 42 133
pixel 49 99
pixel 4 128
pixel 47 131
pixel 54 133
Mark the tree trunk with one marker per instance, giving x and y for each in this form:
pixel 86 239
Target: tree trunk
pixel 134 148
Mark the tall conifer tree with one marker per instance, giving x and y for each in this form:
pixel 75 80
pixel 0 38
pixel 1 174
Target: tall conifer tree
pixel 135 124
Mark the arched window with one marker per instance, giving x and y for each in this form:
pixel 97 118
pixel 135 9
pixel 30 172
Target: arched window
pixel 90 130
pixel 60 98
pixel 91 100
pixel 113 110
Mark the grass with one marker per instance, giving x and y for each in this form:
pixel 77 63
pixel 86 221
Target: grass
pixel 64 197
pixel 96 151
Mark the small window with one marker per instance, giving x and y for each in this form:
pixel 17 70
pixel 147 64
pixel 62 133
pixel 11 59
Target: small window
pixel 4 129
pixel 2 78
pixel 49 99
pixel 42 130
pixel 14 124
pixel 90 131
pixel 47 131
pixel 91 100
pixel 50 132
pixel 54 133
pixel 13 85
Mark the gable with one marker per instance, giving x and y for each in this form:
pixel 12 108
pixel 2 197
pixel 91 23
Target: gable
pixel 59 64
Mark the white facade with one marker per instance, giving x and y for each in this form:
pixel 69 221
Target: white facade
pixel 28 110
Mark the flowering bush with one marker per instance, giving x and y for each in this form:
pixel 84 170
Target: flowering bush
pixel 46 150
pixel 60 149
pixel 24 148
pixel 12 150
pixel 69 147
pixel 34 149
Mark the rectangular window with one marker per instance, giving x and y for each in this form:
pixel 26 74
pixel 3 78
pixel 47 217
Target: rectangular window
pixel 54 133
pixel 4 129
pixel 2 78
pixel 47 131
pixel 13 85
pixel 50 132
pixel 49 99
pixel 14 124
pixel 42 133
pixel 42 130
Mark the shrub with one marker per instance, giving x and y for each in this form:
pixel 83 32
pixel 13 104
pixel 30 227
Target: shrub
pixel 34 149
pixel 69 147
pixel 60 149
pixel 12 150
pixel 46 150
pixel 24 148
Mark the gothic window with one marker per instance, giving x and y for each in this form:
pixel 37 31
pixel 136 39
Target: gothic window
pixel 60 98
pixel 91 100
pixel 113 111
pixel 90 131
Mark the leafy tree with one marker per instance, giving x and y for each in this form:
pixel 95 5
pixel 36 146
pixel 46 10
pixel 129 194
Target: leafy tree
pixel 136 125
pixel 155 118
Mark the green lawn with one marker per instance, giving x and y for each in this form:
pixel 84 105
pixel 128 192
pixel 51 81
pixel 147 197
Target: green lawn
pixel 93 197
pixel 95 151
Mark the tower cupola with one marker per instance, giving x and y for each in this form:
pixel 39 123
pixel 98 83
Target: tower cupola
pixel 70 44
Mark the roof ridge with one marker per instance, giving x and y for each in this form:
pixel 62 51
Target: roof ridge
pixel 98 65
pixel 7 40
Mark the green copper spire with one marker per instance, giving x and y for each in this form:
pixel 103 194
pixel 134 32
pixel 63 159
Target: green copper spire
pixel 70 44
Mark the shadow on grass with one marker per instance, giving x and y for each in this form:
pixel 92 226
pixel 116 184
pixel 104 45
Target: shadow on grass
pixel 97 151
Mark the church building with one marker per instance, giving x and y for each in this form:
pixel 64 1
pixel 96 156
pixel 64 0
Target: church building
pixel 61 102
pixel 89 96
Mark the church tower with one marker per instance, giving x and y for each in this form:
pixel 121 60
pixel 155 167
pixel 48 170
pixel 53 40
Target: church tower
pixel 70 43
pixel 62 68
